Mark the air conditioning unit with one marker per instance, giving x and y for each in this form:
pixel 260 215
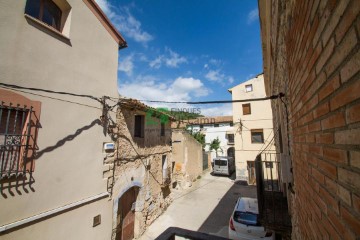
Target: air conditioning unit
pixel 286 173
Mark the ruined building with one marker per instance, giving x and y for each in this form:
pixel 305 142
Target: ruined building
pixel 139 170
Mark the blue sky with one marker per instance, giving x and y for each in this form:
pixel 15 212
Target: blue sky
pixel 186 50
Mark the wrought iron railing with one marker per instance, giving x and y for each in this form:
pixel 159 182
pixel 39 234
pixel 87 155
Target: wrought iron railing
pixel 14 139
pixel 272 200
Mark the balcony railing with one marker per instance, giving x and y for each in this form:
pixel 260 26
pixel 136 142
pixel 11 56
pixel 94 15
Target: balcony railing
pixel 272 200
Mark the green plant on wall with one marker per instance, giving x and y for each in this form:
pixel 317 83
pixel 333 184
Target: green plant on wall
pixel 200 137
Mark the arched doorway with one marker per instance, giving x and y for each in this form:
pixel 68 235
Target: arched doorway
pixel 125 221
pixel 231 152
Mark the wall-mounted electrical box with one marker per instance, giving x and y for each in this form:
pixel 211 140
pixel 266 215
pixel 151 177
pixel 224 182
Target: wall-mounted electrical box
pixel 109 147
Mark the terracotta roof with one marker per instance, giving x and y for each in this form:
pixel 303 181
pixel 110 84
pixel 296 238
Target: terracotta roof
pixel 136 104
pixel 94 7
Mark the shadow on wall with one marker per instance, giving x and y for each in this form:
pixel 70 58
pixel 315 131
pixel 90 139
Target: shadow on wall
pixel 218 220
pixel 68 138
pixel 27 180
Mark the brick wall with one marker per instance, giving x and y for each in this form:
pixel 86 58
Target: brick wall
pixel 315 60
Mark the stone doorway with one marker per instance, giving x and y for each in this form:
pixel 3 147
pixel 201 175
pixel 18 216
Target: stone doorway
pixel 126 215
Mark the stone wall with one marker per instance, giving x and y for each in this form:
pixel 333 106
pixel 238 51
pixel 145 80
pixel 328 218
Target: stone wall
pixel 311 53
pixel 139 163
pixel 188 158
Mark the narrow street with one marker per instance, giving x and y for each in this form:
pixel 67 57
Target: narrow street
pixel 205 207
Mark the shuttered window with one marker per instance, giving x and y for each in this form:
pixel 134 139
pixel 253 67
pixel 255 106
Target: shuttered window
pixel 246 109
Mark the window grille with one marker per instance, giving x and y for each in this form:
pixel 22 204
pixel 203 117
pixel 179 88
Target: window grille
pixel 14 139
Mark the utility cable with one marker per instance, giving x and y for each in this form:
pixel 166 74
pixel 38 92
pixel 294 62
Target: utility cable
pixel 50 91
pixel 221 101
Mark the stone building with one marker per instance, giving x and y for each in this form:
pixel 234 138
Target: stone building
pixel 51 182
pixel 311 54
pixel 139 170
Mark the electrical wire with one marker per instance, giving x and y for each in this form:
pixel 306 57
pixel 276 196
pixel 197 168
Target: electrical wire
pixel 221 101
pixel 50 91
pixel 58 99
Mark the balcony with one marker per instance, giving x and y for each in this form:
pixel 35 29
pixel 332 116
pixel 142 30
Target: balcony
pixel 272 200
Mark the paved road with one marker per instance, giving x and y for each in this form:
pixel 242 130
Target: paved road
pixel 205 207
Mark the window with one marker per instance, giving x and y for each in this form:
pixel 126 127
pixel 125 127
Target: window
pixel 201 126
pixel 246 109
pixel 165 171
pixel 216 125
pixel 231 124
pixel 19 123
pixel 46 11
pixel 13 138
pixel 257 136
pixel 249 88
pixel 162 131
pixel 139 126
pixel 230 138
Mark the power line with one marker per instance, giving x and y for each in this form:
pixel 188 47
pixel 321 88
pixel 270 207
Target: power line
pixel 58 99
pixel 50 91
pixel 280 95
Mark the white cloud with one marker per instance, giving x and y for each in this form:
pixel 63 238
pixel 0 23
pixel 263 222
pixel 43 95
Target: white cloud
pixel 125 22
pixel 217 110
pixel 215 62
pixel 156 63
pixel 175 59
pixel 105 6
pixel 181 89
pixel 217 76
pixel 170 59
pixel 253 16
pixel 126 65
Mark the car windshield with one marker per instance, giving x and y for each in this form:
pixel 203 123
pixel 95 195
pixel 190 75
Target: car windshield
pixel 246 218
pixel 220 162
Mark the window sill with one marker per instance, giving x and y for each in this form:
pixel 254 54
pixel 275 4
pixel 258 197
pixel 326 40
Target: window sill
pixel 47 27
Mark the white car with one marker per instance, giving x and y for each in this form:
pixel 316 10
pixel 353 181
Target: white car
pixel 244 224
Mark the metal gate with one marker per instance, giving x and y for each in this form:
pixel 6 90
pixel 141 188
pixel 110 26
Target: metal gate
pixel 272 200
pixel 205 161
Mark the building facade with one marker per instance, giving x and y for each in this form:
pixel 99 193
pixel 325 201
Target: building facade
pixel 311 53
pixel 139 169
pixel 52 142
pixel 253 126
pixel 217 127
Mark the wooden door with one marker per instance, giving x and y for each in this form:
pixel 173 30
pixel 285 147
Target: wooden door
pixel 126 215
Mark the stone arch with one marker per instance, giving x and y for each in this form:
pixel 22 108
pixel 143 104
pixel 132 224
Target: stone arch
pixel 134 184
pixel 231 152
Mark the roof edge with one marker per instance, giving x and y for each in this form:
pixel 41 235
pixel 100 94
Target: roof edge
pixel 104 20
